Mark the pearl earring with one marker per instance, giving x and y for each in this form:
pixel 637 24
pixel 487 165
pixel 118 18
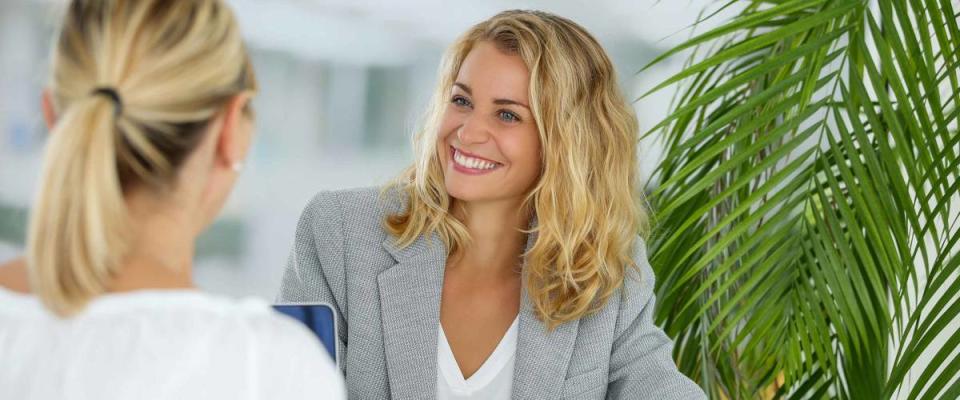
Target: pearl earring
pixel 237 166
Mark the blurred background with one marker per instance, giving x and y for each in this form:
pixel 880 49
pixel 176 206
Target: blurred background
pixel 343 83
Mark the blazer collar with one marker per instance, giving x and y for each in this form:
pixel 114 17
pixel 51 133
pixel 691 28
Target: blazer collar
pixel 410 294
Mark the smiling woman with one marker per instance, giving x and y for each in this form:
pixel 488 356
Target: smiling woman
pixel 505 263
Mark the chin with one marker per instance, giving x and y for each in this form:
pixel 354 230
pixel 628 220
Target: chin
pixel 464 194
pixel 470 193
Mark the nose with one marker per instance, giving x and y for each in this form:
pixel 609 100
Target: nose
pixel 473 131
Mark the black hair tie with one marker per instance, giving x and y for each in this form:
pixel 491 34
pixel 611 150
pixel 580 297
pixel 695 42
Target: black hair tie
pixel 113 95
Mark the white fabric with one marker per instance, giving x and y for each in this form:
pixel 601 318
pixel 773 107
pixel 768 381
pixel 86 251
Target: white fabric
pixel 160 344
pixel 494 379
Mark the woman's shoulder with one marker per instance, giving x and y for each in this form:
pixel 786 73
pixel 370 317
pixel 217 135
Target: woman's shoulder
pixel 283 355
pixel 637 288
pixel 239 326
pixel 282 338
pixel 361 210
pixel 639 279
pixel 187 332
pixel 13 276
pixel 182 316
pixel 371 202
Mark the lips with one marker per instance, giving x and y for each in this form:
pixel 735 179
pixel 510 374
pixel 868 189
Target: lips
pixel 471 164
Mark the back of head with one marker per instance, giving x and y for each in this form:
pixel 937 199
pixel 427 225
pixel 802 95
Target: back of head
pixel 134 84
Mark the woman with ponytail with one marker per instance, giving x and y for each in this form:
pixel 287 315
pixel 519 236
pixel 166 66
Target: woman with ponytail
pixel 150 120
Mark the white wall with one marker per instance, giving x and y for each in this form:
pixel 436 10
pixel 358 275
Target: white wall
pixel 316 127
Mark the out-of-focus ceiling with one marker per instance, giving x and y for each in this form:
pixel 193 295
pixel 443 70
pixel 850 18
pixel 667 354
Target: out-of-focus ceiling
pixel 389 32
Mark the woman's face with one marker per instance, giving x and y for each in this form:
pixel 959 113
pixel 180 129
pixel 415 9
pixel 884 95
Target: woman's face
pixel 488 142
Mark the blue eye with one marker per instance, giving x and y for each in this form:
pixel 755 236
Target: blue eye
pixel 508 116
pixel 460 101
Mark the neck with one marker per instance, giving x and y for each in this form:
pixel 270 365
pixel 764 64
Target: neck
pixel 161 254
pixel 497 237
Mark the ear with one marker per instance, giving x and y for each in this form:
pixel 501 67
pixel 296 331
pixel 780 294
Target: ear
pixel 46 104
pixel 234 136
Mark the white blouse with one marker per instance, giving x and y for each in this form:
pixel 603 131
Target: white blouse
pixel 494 379
pixel 160 344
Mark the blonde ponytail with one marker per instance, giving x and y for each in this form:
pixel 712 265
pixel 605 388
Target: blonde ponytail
pixel 77 229
pixel 169 67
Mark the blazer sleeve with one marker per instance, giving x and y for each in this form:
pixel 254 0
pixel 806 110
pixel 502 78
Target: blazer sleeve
pixel 315 267
pixel 641 363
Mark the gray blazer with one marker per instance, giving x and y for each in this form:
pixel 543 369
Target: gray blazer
pixel 388 304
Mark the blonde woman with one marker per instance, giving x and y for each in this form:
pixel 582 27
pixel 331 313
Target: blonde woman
pixel 149 112
pixel 505 263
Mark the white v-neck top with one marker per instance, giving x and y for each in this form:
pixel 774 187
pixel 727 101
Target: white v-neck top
pixel 160 344
pixel 494 379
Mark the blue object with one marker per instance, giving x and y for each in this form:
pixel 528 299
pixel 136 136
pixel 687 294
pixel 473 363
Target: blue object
pixel 319 318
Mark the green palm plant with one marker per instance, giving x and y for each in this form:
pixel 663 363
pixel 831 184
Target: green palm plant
pixel 806 239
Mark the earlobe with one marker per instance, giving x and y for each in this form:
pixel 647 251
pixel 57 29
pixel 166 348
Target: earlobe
pixel 46 104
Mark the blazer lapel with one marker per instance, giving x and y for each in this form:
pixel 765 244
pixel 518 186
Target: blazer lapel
pixel 542 356
pixel 410 305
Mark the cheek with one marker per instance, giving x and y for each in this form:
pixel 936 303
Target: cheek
pixel 523 152
pixel 443 135
pixel 446 130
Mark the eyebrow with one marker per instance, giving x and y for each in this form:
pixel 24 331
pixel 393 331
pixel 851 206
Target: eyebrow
pixel 495 101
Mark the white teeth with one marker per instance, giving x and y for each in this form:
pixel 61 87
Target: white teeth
pixel 470 162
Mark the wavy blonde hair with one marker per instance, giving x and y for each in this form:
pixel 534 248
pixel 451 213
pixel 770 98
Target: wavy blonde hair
pixel 173 65
pixel 586 202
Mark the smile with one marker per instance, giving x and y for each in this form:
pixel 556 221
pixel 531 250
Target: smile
pixel 470 164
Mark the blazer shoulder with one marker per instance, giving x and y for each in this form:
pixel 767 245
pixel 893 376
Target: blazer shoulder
pixel 641 273
pixel 639 282
pixel 358 210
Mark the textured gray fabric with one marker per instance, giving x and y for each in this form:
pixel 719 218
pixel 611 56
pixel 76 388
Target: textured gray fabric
pixel 388 305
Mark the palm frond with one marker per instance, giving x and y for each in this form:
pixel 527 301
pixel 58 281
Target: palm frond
pixel 807 206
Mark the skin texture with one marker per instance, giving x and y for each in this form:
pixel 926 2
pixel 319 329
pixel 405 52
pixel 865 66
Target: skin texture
pixel 165 226
pixel 488 116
